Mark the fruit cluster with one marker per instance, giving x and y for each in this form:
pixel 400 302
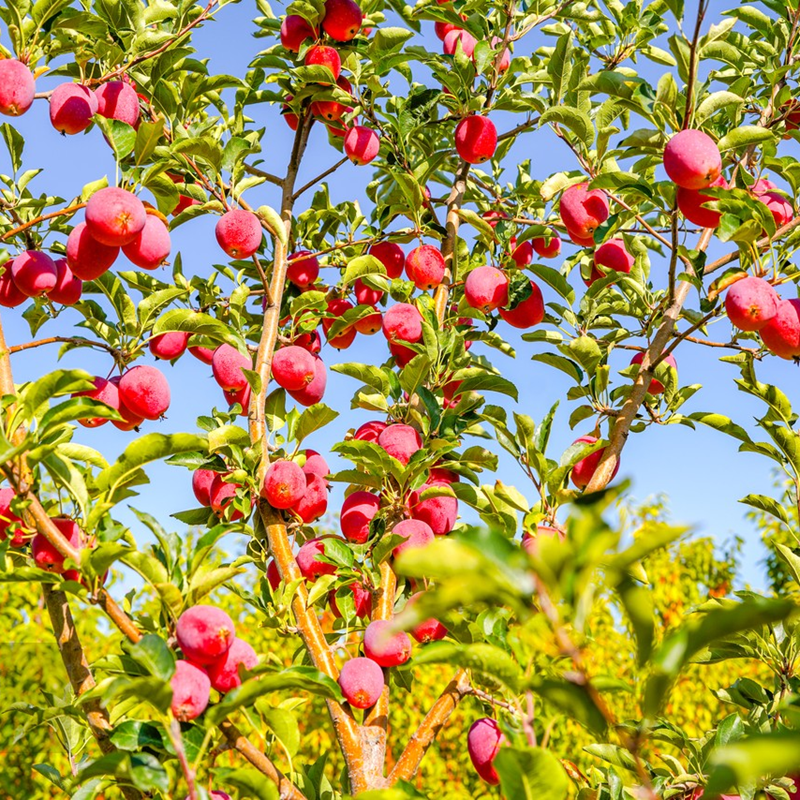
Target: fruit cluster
pixel 340 24
pixel 115 220
pixel 693 162
pixel 212 655
pixel 44 554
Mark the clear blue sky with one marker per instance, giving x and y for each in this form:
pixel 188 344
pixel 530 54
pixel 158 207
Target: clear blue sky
pixel 700 471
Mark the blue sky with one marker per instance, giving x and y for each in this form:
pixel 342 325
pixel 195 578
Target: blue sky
pixel 700 471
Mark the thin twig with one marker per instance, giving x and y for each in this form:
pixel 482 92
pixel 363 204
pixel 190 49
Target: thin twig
pixel 77 340
pixel 43 218
pixel 174 732
pixel 320 177
pixel 268 176
pixel 702 7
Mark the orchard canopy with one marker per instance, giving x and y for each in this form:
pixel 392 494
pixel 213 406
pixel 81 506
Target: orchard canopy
pixel 390 583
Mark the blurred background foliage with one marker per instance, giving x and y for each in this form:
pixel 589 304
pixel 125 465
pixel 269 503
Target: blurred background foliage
pixel 681 578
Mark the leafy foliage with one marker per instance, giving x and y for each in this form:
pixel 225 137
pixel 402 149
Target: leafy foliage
pixel 618 656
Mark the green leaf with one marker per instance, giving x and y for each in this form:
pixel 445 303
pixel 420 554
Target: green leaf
pixel 274 222
pixel 360 266
pixel 743 136
pixel 154 302
pixel 205 148
pixel 478 222
pixel 559 67
pixel 482 56
pixel 613 755
pixel 165 192
pixel 791 559
pixel 133 735
pixel 747 761
pixel 480 657
pixel 474 379
pixel 640 608
pixel 205 581
pixel 33 396
pixel 572 698
pixel 555 280
pixel 755 18
pixel 372 376
pixel 95 186
pixel 76 408
pixel 147 136
pixel 654 537
pixel 559 362
pixel 387 39
pixel 530 774
pixel 15 144
pixel 721 423
pixel 141 770
pixel 768 505
pixel 722 620
pixel 304 679
pixel 145 449
pixel 152 653
pixel 284 725
pixel 714 102
pixel 312 419
pixel 250 782
pixel 120 135
pixel 199 324
pixel 227 435
pixel 577 121
pixel 586 352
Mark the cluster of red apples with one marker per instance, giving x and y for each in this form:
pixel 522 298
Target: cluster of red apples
pixel 693 162
pixel 44 555
pixel 341 23
pixel 212 655
pixel 72 105
pixel 475 135
pixel 115 220
pixel 299 490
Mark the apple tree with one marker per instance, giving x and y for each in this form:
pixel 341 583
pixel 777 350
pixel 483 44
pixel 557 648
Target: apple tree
pixel 679 124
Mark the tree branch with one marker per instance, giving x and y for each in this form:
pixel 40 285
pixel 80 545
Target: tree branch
pixel 320 177
pixel 702 7
pixel 43 218
pixel 174 733
pixel 761 244
pixel 268 176
pixel 277 535
pixel 18 348
pixel 287 790
pixel 619 433
pixel 521 128
pixel 375 730
pixel 452 222
pixel 426 734
pixel 75 662
pixel 573 652
pixel 78 671
pixel 66 635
